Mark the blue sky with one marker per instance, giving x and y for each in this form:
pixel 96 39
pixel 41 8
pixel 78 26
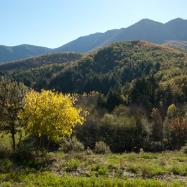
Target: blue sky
pixel 53 23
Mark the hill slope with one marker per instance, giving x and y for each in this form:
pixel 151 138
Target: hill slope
pixel 20 52
pixel 143 30
pixel 30 63
pixel 122 63
pixel 177 44
pixel 134 72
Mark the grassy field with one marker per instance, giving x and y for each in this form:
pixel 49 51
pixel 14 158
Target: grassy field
pixel 49 179
pixel 89 169
pixel 128 169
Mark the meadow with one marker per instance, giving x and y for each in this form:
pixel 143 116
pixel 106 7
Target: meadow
pixel 86 168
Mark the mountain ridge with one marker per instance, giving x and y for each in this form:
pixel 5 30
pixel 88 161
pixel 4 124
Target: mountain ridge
pixel 11 53
pixel 145 29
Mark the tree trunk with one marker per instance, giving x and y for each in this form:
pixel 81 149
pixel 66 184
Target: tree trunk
pixel 13 138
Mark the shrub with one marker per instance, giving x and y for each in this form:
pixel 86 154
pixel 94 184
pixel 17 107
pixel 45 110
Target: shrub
pixel 56 110
pixel 179 170
pixel 5 165
pixel 146 170
pixel 178 130
pixel 73 165
pixel 5 146
pixel 71 144
pixel 101 148
pixel 184 149
pixel 151 171
pixel 154 146
pixel 100 169
pixel 24 153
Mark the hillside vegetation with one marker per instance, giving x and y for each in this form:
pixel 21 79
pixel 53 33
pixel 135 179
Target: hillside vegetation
pixel 137 84
pixel 114 117
pixel 177 44
pixel 121 68
pixel 30 63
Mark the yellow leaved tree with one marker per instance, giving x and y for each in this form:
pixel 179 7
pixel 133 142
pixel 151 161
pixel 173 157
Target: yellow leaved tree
pixel 51 115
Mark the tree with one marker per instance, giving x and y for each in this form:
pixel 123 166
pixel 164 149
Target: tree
pixel 178 131
pixel 11 97
pixel 171 112
pixel 157 125
pixel 50 115
pixel 145 92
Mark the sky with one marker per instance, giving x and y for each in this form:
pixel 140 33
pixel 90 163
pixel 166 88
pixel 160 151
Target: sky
pixel 52 23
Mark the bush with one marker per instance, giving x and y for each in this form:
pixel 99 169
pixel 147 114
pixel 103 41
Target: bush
pixel 6 165
pixel 71 144
pixel 146 170
pixel 154 146
pixel 184 149
pixel 100 170
pixel 101 148
pixel 24 152
pixel 178 130
pixel 179 170
pixel 73 165
pixel 5 146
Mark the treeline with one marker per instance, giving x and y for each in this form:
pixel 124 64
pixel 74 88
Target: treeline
pixel 132 128
pixel 48 117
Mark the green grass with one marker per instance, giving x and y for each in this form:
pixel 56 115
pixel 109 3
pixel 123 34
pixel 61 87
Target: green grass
pixel 5 145
pixel 82 169
pixel 46 179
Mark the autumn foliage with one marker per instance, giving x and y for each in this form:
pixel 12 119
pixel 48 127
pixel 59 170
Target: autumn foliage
pixel 50 114
pixel 179 131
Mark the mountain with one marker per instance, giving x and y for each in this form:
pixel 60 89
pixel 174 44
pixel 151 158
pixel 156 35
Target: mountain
pixel 145 29
pixel 21 51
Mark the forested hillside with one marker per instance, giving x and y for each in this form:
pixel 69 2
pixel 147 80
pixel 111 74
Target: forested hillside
pixel 136 87
pixel 125 70
pixel 177 44
pixel 29 63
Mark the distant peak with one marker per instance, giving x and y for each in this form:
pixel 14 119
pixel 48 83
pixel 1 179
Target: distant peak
pixel 148 21
pixel 176 20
